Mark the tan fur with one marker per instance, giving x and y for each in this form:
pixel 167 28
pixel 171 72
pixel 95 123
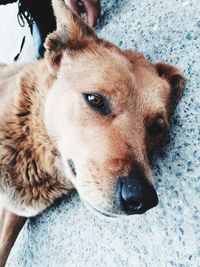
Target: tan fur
pixel 40 102
pixel 44 120
pixel 28 157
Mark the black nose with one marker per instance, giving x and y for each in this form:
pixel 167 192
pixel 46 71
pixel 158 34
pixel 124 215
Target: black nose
pixel 136 195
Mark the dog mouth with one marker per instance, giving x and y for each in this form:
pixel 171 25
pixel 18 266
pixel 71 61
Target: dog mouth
pixel 88 205
pixel 103 213
pixel 113 214
pixel 72 166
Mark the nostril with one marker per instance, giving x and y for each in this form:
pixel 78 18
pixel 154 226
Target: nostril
pixel 136 205
pixel 133 205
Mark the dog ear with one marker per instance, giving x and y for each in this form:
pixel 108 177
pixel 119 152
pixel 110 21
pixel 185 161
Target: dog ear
pixel 71 33
pixel 176 80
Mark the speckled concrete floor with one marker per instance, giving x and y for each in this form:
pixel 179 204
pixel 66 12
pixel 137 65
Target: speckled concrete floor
pixel 168 235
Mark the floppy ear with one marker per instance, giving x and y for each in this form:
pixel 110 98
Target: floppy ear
pixel 71 33
pixel 176 80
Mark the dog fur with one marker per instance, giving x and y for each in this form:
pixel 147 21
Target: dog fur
pixel 44 121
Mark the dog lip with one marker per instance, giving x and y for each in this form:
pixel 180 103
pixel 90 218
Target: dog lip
pixel 109 215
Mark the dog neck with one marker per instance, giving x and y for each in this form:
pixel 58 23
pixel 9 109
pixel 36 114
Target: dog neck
pixel 28 118
pixel 28 154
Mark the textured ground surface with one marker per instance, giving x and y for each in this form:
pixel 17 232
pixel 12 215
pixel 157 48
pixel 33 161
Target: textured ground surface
pixel 68 234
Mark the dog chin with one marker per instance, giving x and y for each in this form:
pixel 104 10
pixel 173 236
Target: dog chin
pixel 103 213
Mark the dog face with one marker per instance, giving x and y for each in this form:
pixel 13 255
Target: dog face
pixel 108 110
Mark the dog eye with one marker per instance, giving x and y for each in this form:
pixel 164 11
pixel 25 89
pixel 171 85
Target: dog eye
pixel 157 127
pixel 98 103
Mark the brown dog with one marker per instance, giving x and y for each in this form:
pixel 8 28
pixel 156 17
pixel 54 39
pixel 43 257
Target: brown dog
pixel 87 116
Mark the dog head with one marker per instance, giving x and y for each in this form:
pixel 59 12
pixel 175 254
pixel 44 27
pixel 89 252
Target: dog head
pixel 108 110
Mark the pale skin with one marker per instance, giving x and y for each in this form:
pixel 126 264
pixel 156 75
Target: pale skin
pixel 91 9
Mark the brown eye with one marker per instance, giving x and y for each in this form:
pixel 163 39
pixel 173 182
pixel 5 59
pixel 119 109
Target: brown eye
pixel 157 127
pixel 98 103
pixel 95 100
